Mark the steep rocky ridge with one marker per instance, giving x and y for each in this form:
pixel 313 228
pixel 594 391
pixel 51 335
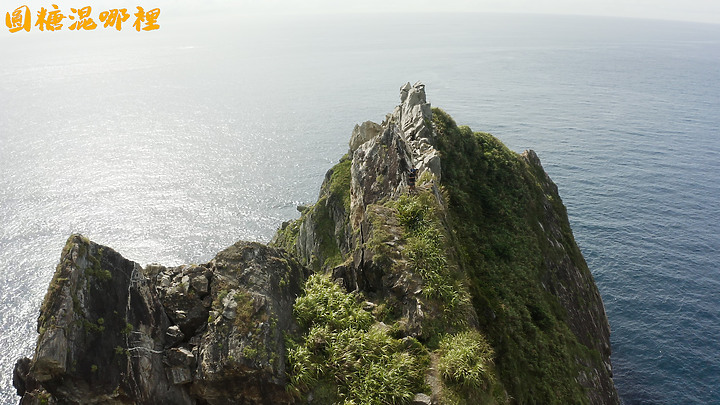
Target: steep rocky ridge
pixel 482 243
pixel 465 288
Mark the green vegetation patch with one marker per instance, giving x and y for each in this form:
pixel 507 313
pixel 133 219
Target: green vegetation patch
pixel 329 254
pixel 495 209
pixel 380 219
pixel 344 356
pixel 340 182
pixel 245 311
pixel 331 209
pixel 287 236
pixel 426 247
pixel 466 359
pixel 465 363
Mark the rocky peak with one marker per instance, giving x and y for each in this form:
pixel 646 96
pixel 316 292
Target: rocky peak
pixel 408 130
pixel 414 116
pixel 413 109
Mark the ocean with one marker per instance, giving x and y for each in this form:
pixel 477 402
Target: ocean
pixel 170 145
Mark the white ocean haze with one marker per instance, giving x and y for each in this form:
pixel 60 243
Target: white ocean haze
pixel 168 146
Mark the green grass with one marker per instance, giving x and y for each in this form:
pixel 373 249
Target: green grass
pixel 427 248
pixel 466 359
pixel 325 303
pixel 379 236
pixel 344 356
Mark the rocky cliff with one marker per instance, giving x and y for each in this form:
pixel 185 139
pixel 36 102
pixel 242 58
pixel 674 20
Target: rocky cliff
pixel 459 284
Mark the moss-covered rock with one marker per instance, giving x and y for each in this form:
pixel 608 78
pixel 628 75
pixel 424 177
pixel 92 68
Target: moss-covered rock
pixel 99 324
pixel 538 302
pixel 321 237
pixel 241 351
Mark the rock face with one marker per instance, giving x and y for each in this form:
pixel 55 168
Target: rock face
pixel 113 332
pixel 477 256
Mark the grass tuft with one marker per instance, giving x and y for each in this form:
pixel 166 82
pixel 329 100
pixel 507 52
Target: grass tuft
pixel 344 356
pixel 466 359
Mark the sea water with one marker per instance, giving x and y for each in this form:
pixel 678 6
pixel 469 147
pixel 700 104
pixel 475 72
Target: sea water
pixel 170 145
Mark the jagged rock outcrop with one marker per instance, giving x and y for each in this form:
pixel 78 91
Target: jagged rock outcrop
pixel 363 133
pixel 101 333
pixel 470 281
pixel 113 332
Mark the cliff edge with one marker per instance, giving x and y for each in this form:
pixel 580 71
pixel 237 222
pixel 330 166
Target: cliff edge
pixel 436 267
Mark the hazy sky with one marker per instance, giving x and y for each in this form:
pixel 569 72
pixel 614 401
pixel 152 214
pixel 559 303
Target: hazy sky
pixel 693 10
pixel 689 10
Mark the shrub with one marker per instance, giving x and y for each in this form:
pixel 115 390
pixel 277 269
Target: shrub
pixel 343 356
pixel 466 359
pixel 324 303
